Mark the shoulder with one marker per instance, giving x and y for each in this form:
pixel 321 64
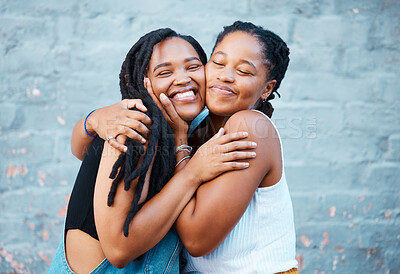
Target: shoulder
pixel 257 124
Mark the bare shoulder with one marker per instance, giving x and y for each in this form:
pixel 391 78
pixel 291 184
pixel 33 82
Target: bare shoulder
pixel 257 124
pixel 269 161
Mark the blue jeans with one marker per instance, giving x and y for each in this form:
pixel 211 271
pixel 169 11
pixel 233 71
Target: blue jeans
pixel 162 258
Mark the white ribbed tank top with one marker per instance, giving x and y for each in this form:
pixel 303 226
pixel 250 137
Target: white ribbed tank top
pixel 263 241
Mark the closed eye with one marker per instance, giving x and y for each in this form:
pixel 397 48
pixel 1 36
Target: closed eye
pixel 164 73
pixel 218 64
pixel 244 72
pixel 193 67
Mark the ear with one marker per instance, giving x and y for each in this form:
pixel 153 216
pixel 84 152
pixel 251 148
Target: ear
pixel 146 82
pixel 268 89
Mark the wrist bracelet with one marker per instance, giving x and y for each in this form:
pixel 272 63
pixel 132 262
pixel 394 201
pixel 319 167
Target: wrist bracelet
pixel 184 147
pixel 181 160
pixel 84 124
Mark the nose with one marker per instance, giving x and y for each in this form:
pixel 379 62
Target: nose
pixel 182 78
pixel 226 76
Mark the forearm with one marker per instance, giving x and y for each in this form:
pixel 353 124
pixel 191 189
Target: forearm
pixel 181 139
pixel 200 230
pixel 148 226
pixel 158 215
pixel 80 141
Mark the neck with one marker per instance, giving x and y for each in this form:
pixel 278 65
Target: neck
pixel 217 122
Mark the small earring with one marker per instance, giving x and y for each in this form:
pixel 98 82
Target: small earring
pixel 264 100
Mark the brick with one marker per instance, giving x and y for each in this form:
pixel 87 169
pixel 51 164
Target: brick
pixel 300 8
pixel 353 59
pixel 346 148
pixel 8 113
pixel 305 59
pixel 105 28
pixel 346 208
pixel 36 206
pixel 343 254
pixel 39 8
pixel 51 117
pixel 28 88
pixel 83 88
pixel 393 152
pixel 356 6
pixel 352 31
pixel 359 117
pixel 307 208
pixel 25 38
pixel 323 176
pixel 21 30
pixel 384 32
pixel 18 147
pixel 295 124
pixel 330 87
pixel 384 176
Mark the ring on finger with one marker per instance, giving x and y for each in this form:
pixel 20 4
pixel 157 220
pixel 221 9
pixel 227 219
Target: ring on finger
pixel 109 138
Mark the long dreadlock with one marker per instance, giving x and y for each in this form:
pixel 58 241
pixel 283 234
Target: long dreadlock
pixel 161 141
pixel 276 56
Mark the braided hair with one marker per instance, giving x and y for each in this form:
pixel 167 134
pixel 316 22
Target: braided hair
pixel 161 141
pixel 276 56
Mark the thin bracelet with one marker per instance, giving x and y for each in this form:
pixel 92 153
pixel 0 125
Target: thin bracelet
pixel 181 160
pixel 84 124
pixel 184 147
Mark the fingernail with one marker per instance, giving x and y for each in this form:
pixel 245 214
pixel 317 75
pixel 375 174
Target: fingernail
pixel 253 154
pixel 246 164
pixel 253 144
pixel 245 134
pixel 125 149
pixel 143 141
pixel 163 96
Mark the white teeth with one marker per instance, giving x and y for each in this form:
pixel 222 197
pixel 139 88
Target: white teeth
pixel 185 94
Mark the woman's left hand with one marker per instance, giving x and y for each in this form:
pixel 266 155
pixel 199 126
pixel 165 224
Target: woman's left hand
pixel 179 126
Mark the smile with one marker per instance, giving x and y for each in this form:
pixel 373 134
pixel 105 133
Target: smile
pixel 184 95
pixel 223 90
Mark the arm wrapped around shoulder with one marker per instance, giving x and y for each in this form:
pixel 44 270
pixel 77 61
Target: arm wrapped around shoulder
pixel 220 203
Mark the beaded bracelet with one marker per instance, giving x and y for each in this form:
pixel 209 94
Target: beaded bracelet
pixel 84 124
pixel 181 160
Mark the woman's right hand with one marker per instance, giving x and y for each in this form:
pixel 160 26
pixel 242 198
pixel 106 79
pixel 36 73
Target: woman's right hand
pixel 120 119
pixel 179 126
pixel 221 154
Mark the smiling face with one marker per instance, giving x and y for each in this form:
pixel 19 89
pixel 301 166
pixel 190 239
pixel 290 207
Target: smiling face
pixel 236 75
pixel 175 69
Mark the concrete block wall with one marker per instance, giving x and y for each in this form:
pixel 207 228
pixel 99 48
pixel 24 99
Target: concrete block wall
pixel 338 115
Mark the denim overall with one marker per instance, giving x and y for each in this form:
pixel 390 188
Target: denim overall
pixel 162 258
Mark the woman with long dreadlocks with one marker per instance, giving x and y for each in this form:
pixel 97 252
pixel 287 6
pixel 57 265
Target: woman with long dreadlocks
pixel 116 219
pixel 242 221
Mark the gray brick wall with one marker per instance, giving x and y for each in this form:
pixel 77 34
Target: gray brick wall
pixel 338 115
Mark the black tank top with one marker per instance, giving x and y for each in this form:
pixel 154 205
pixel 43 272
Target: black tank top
pixel 80 208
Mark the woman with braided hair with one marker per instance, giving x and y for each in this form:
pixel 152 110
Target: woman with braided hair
pixel 250 210
pixel 123 205
pixel 241 221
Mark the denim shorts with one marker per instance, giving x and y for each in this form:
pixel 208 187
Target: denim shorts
pixel 162 258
